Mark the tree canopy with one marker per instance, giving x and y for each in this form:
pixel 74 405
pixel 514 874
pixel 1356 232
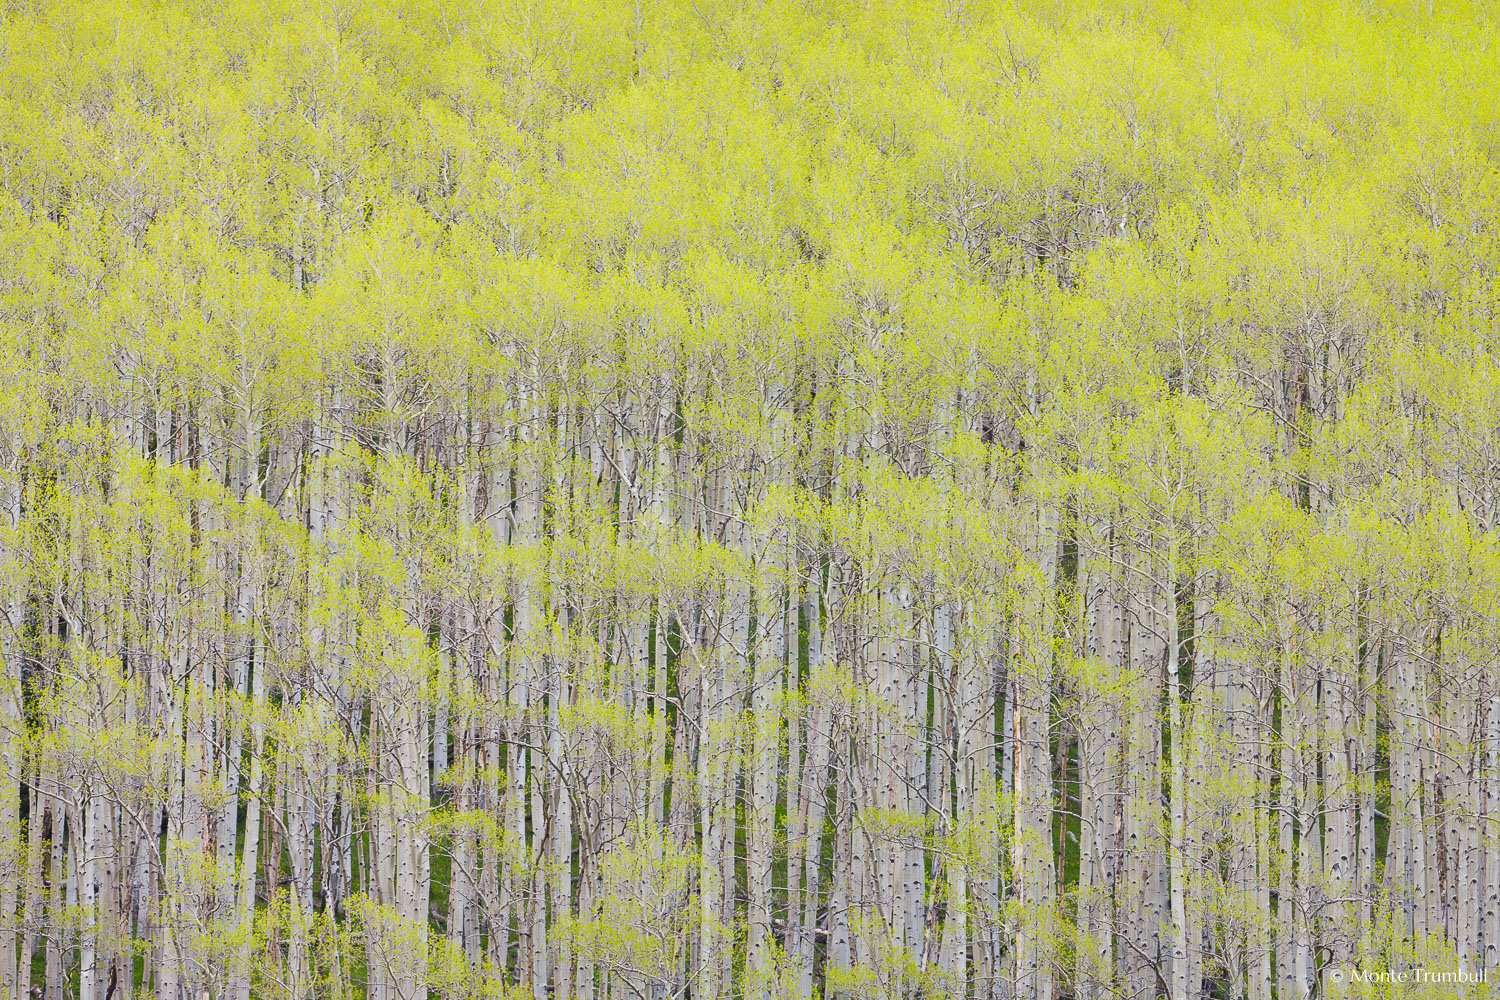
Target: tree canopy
pixel 722 500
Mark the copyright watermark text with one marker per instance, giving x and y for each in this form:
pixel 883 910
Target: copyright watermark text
pixel 1354 974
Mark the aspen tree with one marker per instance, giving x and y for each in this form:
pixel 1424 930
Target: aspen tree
pixel 865 502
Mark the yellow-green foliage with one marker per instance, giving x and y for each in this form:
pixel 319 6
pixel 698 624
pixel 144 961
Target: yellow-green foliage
pixel 717 498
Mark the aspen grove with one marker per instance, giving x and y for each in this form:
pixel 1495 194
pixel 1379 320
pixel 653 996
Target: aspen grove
pixel 734 500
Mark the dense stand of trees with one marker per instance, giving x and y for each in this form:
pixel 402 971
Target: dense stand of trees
pixel 716 500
